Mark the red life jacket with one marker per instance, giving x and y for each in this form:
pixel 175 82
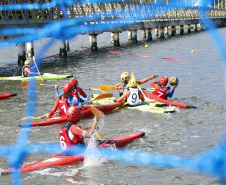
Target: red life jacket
pixel 65 140
pixel 63 105
pixel 161 92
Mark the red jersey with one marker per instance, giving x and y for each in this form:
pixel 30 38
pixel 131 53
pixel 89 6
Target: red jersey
pixel 63 105
pixel 70 134
pixel 161 92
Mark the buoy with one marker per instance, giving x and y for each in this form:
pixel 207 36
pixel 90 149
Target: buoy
pixel 146 46
pixel 192 51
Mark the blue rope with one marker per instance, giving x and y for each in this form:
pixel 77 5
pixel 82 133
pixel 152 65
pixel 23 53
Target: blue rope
pixel 211 162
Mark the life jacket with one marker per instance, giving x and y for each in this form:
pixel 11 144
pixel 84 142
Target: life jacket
pixel 161 92
pixel 66 137
pixel 23 72
pixel 63 105
pixel 125 85
pixel 133 97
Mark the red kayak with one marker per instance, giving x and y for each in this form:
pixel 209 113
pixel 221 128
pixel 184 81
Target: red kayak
pixel 86 114
pixel 4 96
pixel 60 160
pixel 156 98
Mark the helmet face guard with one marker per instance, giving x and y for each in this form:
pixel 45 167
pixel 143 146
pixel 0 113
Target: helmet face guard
pixel 124 75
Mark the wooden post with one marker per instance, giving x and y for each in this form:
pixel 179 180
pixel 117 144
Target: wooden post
pixel 30 50
pixel 21 54
pixel 149 34
pixel 181 29
pixel 156 32
pixel 63 50
pixel 143 34
pixel 134 34
pixel 93 41
pixel 172 30
pixel 189 28
pixel 162 32
pixel 130 38
pixel 115 39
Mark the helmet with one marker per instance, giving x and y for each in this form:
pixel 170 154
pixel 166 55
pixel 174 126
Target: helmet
pixel 27 62
pixel 68 88
pixel 73 81
pixel 124 75
pixel 73 114
pixel 163 80
pixel 132 83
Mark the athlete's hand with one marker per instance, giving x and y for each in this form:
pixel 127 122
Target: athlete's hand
pixel 154 76
pixel 56 86
pixel 175 86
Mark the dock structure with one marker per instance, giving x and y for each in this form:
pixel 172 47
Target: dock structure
pixel 162 20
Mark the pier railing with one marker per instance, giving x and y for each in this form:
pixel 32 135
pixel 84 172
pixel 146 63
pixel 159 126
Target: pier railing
pixel 38 16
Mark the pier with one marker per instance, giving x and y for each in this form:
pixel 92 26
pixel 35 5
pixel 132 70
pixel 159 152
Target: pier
pixel 156 22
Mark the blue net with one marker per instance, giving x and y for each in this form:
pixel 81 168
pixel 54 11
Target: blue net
pixel 212 162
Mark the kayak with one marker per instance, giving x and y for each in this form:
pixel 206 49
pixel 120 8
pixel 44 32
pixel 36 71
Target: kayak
pixel 144 106
pixel 85 114
pixel 46 76
pixel 4 96
pixel 152 96
pixel 60 160
pixel 113 99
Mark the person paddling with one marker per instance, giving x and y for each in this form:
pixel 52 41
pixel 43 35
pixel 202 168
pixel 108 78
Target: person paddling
pixel 133 95
pixel 161 90
pixel 78 92
pixel 70 133
pixel 65 101
pixel 26 72
pixel 125 77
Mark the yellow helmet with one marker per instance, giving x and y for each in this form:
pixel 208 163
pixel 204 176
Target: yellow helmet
pixel 132 83
pixel 27 62
pixel 124 75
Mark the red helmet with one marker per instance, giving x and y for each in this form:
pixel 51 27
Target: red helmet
pixel 74 114
pixel 68 88
pixel 163 80
pixel 73 81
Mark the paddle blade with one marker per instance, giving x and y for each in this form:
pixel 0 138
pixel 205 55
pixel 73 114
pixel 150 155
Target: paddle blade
pixel 96 112
pixel 102 96
pixel 98 135
pixel 107 87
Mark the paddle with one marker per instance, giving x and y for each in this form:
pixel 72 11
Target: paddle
pixel 25 84
pixel 30 117
pixel 97 113
pixel 38 69
pixel 145 97
pixel 101 96
pixel 108 88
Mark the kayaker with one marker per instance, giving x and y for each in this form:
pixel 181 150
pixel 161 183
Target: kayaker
pixel 125 77
pixel 65 101
pixel 72 134
pixel 133 95
pixel 26 69
pixel 161 90
pixel 78 92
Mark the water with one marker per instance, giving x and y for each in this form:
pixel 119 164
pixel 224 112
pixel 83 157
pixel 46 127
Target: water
pixel 189 132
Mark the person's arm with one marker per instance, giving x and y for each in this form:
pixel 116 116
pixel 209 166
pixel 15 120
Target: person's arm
pixel 155 84
pixel 29 72
pixel 82 93
pixel 90 131
pixel 119 84
pixel 170 94
pixel 141 96
pixel 124 96
pixel 55 107
pixel 147 79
